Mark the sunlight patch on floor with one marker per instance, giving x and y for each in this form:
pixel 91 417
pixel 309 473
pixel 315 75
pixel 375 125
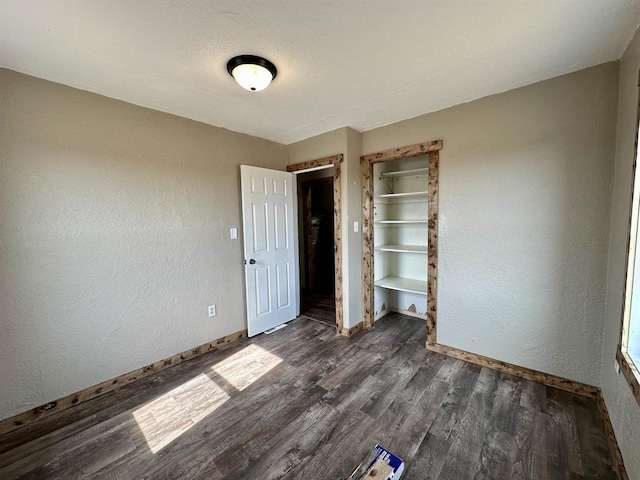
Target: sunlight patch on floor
pixel 167 417
pixel 246 366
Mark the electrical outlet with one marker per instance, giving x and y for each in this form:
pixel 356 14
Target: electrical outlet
pixel 616 366
pixel 212 310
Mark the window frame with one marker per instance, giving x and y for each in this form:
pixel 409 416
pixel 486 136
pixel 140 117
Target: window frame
pixel 630 369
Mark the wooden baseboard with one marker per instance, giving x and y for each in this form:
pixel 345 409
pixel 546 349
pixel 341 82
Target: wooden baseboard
pixel 616 455
pixel 545 378
pixel 347 332
pixel 21 419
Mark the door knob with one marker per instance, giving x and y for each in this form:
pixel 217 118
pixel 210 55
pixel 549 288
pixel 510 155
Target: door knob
pixel 252 262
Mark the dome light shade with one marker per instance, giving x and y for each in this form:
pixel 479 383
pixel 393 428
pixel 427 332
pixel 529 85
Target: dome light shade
pixel 251 72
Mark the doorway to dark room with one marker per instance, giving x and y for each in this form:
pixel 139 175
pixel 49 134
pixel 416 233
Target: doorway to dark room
pixel 317 259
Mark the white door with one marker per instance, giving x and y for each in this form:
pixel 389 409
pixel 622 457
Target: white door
pixel 269 249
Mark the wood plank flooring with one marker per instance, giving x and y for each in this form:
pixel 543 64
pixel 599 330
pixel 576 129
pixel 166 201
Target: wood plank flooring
pixel 319 306
pixel 306 403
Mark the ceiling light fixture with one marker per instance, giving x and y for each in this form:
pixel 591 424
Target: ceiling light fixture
pixel 252 72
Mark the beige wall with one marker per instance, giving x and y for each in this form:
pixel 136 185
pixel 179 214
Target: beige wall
pixel 352 201
pixel 524 214
pixel 320 146
pixel 114 236
pixel 623 409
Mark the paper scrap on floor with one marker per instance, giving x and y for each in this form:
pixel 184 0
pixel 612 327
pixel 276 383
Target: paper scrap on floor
pixel 381 465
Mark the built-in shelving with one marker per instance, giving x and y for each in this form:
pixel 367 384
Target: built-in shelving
pixel 401 200
pixel 420 196
pixel 402 248
pixel 403 285
pixel 406 173
pixel 400 222
pixel 402 195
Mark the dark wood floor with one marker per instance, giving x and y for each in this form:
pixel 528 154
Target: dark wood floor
pixel 305 403
pixel 319 306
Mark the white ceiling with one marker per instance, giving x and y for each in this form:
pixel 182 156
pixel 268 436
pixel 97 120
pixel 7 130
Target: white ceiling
pixel 357 63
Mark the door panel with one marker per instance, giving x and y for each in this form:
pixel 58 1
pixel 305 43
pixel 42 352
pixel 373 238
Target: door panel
pixel 262 293
pixel 282 281
pixel 281 227
pixel 268 228
pixel 259 220
pixel 279 187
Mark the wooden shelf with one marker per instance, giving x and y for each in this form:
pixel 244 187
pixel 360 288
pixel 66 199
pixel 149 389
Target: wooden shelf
pixel 403 285
pixel 399 222
pixel 402 195
pixel 406 173
pixel 402 248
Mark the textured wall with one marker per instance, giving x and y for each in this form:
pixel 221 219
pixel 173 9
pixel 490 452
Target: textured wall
pixel 352 199
pixel 623 409
pixel 325 145
pixel 114 236
pixel 524 215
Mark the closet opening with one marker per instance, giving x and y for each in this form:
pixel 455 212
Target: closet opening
pixel 400 234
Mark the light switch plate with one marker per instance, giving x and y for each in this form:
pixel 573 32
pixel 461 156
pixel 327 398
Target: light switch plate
pixel 234 233
pixel 356 227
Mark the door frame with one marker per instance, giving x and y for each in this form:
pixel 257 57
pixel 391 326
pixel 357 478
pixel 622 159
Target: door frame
pixel 336 161
pixel 367 161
